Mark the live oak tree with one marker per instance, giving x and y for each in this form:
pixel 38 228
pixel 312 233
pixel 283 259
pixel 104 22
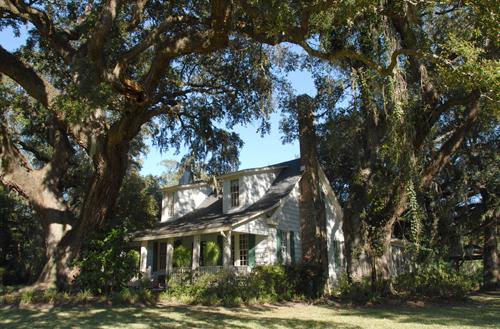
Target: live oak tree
pixel 400 130
pixel 414 79
pixel 94 74
pixel 463 210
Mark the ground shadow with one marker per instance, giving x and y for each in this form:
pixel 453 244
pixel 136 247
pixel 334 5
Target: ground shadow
pixel 149 317
pixel 480 311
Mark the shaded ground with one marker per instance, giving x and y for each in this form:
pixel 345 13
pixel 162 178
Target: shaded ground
pixel 482 312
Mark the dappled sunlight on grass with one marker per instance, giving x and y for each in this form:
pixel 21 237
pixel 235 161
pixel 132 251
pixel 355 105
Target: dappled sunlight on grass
pixel 479 313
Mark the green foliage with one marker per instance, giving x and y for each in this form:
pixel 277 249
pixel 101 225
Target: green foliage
pixel 359 292
pixel 138 204
pixel 275 283
pixel 436 279
pixel 21 245
pixel 124 296
pixel 211 253
pixel 182 256
pixel 263 284
pixel 107 265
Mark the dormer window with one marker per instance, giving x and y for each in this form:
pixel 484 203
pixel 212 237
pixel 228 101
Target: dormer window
pixel 235 193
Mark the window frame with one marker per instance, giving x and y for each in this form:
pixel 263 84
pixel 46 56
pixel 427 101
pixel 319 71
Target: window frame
pixel 234 192
pixel 244 249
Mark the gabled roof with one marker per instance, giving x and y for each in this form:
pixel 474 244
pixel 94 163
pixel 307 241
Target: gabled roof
pixel 210 217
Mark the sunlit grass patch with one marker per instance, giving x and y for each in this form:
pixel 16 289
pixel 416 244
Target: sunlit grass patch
pixel 480 312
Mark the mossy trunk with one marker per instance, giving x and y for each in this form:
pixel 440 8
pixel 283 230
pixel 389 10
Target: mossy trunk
pixel 312 203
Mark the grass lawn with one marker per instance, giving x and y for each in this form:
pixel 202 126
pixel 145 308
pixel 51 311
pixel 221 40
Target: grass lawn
pixel 482 312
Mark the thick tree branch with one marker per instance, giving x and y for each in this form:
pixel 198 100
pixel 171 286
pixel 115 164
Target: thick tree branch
pixel 102 30
pixel 171 111
pixel 35 85
pixel 138 14
pixel 198 41
pixel 452 144
pixel 346 53
pixel 15 171
pixel 433 115
pixel 130 88
pixel 59 39
pixel 300 35
pixel 42 91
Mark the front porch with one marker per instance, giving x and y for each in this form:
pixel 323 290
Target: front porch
pixel 237 252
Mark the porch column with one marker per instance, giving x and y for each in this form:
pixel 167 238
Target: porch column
pixel 170 256
pixel 144 257
pixel 271 244
pixel 288 251
pixel 196 252
pixel 226 253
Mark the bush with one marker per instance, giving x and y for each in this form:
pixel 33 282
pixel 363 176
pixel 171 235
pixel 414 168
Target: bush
pixel 356 292
pixel 182 256
pixel 274 283
pixel 2 272
pixel 436 280
pixel 263 284
pixel 84 297
pixel 107 266
pixel 211 253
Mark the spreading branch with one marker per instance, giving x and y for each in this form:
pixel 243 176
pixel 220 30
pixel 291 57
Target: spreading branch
pixel 201 42
pixel 34 84
pixel 452 144
pixel 102 30
pixel 42 91
pixel 58 38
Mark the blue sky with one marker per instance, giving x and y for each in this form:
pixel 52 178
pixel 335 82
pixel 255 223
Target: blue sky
pixel 257 151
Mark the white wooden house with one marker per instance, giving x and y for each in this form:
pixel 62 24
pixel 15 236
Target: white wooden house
pixel 254 216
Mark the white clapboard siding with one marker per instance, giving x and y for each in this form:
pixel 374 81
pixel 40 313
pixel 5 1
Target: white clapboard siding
pixel 185 200
pixel 252 187
pixel 335 236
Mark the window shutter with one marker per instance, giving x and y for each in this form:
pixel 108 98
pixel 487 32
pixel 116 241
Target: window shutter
pixel 292 247
pixel 251 250
pixel 278 247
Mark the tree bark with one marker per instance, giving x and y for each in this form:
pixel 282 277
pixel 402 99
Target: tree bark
pixel 110 169
pixel 64 234
pixel 491 272
pixel 312 206
pixel 358 261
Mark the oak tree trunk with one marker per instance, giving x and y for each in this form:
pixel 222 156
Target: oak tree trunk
pixel 63 241
pixel 491 272
pixel 312 206
pixel 358 262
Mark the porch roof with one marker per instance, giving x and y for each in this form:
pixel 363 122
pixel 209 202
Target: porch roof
pixel 209 217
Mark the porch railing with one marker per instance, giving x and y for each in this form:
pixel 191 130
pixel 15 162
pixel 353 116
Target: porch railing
pixel 211 269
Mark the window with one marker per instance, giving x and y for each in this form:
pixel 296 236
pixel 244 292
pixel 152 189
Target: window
pixel 338 254
pixel 282 246
pixel 243 249
pixel 235 192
